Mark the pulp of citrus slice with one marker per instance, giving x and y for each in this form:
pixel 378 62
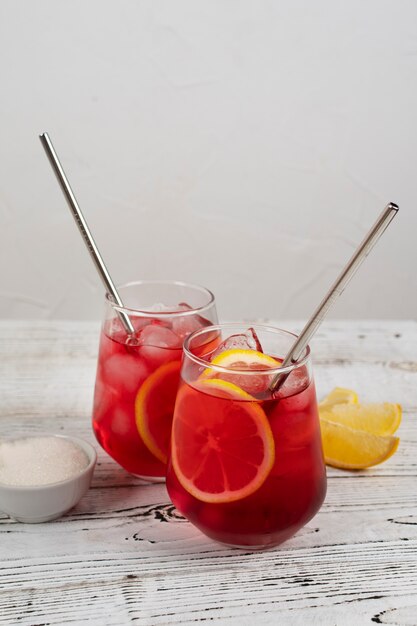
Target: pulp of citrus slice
pixel 222 444
pixel 349 448
pixel 378 419
pixel 154 407
pixel 338 395
pixel 244 361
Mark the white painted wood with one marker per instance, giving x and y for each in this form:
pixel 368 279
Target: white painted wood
pixel 124 556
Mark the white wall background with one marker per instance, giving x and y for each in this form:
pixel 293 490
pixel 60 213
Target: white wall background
pixel 244 145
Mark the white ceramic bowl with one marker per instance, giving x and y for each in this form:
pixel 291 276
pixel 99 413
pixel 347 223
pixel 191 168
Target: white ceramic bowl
pixel 42 503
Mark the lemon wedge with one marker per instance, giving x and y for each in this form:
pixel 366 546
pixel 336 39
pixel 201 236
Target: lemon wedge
pixel 349 448
pixel 354 435
pixel 338 395
pixel 377 419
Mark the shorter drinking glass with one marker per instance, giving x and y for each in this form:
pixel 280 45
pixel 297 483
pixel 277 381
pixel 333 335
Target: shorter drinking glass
pixel 246 464
pixel 137 375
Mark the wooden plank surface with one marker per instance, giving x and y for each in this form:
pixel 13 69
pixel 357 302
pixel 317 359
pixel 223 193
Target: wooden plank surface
pixel 124 556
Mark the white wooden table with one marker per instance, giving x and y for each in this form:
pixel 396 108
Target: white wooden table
pixel 124 556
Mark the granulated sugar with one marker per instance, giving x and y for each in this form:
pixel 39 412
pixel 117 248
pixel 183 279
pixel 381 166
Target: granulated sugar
pixel 40 460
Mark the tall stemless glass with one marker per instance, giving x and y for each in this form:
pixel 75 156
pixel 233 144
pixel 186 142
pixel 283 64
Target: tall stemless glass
pixel 246 464
pixel 137 376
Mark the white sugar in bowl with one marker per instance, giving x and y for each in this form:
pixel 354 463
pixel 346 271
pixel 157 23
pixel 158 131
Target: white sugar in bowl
pixel 43 476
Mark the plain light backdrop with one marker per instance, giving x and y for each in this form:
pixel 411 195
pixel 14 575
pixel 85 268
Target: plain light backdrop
pixel 243 145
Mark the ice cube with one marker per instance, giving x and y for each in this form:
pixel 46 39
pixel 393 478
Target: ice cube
pixel 105 397
pixel 140 322
pixel 159 345
pixel 187 324
pixel 125 372
pixel 133 341
pixel 115 330
pixel 121 423
pixel 155 357
pixel 254 339
pixel 242 341
pixel 202 321
pixel 294 384
pixel 256 385
pixel 158 336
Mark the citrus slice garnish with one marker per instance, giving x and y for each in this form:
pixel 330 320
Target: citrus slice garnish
pixel 154 407
pixel 338 395
pixel 222 444
pixel 349 448
pixel 377 419
pixel 244 361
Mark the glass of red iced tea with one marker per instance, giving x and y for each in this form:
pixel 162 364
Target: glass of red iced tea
pixel 246 464
pixel 138 375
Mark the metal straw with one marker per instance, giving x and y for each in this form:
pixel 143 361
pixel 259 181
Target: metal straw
pixel 84 230
pixel 335 290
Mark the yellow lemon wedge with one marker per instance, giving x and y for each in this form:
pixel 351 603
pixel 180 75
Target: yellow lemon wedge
pixel 354 435
pixel 377 419
pixel 349 448
pixel 338 395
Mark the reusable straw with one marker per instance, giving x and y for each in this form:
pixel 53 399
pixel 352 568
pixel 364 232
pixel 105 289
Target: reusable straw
pixel 335 290
pixel 85 231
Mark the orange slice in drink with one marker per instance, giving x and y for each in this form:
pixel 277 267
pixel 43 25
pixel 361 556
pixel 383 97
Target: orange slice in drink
pixel 248 362
pixel 154 407
pixel 222 443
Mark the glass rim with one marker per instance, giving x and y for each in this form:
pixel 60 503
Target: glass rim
pixel 262 327
pixel 147 313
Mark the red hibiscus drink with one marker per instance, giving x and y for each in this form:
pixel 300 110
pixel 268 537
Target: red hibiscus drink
pixel 246 464
pixel 138 375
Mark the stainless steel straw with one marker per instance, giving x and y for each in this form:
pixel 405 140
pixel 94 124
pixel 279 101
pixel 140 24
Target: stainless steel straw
pixel 84 230
pixel 335 290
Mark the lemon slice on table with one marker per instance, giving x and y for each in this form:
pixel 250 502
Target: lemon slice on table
pixel 338 395
pixel 377 419
pixel 354 435
pixel 349 448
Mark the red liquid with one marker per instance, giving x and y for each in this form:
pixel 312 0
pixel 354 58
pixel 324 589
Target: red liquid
pixel 292 492
pixel 121 371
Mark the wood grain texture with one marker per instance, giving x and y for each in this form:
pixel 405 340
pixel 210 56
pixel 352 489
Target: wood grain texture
pixel 125 556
